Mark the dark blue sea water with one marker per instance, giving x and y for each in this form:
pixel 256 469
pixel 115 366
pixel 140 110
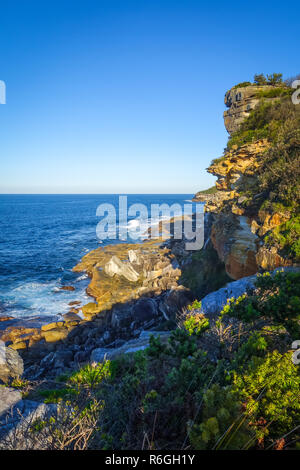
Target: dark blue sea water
pixel 42 237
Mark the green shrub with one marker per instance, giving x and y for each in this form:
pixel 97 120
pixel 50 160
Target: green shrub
pixel 223 426
pixel 242 85
pixel 211 190
pixel 287 238
pixel 57 395
pixel 270 392
pixel 275 92
pixel 194 306
pixel 196 324
pixel 90 375
pixel 276 297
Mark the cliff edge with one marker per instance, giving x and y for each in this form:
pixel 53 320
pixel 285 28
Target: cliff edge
pixel 255 204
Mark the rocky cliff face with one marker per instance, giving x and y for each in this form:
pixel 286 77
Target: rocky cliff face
pixel 237 232
pixel 240 101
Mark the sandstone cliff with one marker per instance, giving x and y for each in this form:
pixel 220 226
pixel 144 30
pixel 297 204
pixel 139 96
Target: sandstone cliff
pixel 241 101
pixel 243 216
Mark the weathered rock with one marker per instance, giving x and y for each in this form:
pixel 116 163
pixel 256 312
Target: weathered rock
pixel 11 363
pixel 116 267
pixel 134 257
pixel 100 354
pixel 81 356
pixel 212 304
pixel 5 318
pixel 153 262
pixel 268 258
pixel 52 326
pixel 9 397
pixel 64 356
pixel 269 220
pixel 71 317
pixel 16 420
pixel 55 334
pixel 144 310
pixel 237 165
pixel 122 316
pixel 176 299
pixel 70 288
pixel 19 345
pixel 240 101
pixel 90 310
pixel 236 245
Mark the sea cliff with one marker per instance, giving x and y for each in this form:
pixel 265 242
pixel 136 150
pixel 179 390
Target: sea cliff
pixel 180 349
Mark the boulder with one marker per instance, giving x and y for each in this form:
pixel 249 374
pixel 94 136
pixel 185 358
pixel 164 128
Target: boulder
pixel 9 397
pixel 134 257
pixel 116 267
pixel 122 316
pixel 16 418
pixel 5 318
pixel 91 309
pixel 11 363
pixel 176 300
pixel 71 317
pixel 52 326
pixel 56 334
pixel 144 310
pixel 213 303
pixel 70 288
pixel 132 346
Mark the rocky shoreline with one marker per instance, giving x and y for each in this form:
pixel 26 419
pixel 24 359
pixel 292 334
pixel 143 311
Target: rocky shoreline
pixel 135 287
pixel 143 289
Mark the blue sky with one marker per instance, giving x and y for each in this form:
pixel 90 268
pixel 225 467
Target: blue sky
pixel 123 96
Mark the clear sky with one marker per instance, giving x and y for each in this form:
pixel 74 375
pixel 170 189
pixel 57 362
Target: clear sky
pixel 124 96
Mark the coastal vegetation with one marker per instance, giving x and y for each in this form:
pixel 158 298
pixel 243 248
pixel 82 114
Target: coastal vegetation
pixel 175 396
pixel 217 369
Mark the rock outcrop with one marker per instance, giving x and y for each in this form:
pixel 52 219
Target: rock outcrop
pixel 115 267
pixel 123 273
pixel 11 364
pixel 239 223
pixel 240 101
pixel 17 416
pixel 132 346
pixel 236 245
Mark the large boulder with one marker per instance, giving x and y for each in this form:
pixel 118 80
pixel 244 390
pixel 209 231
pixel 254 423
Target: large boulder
pixel 132 346
pixel 9 397
pixel 122 316
pixel 213 303
pixel 16 419
pixel 116 266
pixel 144 310
pixel 11 364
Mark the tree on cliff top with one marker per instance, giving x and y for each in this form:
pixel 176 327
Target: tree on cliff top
pixel 273 79
pixel 260 79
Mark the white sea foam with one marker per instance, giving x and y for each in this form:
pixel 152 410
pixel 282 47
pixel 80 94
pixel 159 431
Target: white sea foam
pixel 34 298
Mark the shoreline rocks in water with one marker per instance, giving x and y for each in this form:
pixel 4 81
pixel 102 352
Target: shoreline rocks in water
pixel 124 306
pixel 69 288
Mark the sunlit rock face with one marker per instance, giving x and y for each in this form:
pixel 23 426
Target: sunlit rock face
pixel 240 101
pixel 240 224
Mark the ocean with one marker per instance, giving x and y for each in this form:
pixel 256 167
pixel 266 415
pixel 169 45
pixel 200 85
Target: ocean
pixel 42 237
